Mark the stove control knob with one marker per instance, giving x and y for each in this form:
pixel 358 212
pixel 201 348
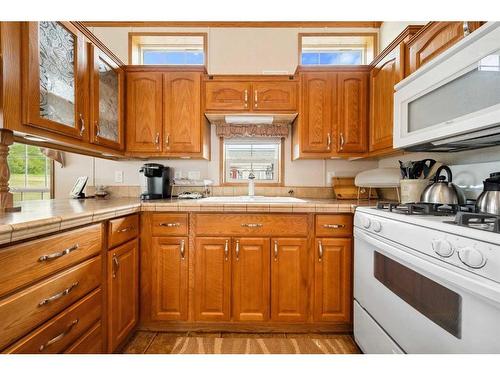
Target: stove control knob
pixel 442 248
pixel 377 227
pixel 366 222
pixel 471 257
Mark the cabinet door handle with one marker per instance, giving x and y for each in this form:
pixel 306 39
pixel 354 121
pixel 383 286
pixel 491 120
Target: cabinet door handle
pixel 170 225
pixel 116 265
pixel 333 226
pixel 157 140
pixel 320 251
pixel 342 142
pixel 82 125
pixel 275 251
pixel 56 296
pixel 97 130
pixel 328 141
pixel 251 225
pixel 126 229
pixel 183 248
pixel 255 94
pixel 167 140
pixel 59 337
pixel 237 250
pixel 466 28
pixel 226 250
pixel 59 254
pixel 246 98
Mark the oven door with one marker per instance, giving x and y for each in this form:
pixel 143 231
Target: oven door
pixel 423 306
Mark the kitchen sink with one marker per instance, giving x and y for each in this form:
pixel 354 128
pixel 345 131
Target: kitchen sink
pixel 254 199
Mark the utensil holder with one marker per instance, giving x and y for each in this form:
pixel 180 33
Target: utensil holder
pixel 411 190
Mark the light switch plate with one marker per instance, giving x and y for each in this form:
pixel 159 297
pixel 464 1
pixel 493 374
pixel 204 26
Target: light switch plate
pixel 119 176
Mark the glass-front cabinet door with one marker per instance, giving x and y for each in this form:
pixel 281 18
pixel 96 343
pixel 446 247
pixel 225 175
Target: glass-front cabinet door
pixel 56 74
pixel 106 82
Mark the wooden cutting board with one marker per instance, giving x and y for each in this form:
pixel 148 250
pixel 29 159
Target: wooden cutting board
pixel 344 188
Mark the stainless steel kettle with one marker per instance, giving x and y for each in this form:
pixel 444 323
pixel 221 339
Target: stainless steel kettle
pixel 442 190
pixel 489 200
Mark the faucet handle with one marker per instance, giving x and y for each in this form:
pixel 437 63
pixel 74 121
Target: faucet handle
pixel 251 176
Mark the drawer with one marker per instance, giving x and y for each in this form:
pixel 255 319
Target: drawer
pixel 89 343
pixel 170 225
pixel 60 332
pixel 334 225
pixel 27 309
pixel 251 225
pixel 31 261
pixel 122 229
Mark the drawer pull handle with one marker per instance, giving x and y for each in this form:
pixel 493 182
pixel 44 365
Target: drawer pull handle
pixel 170 225
pixel 275 251
pixel 251 225
pixel 320 251
pixel 116 265
pixel 60 336
pixel 127 229
pixel 237 250
pixel 183 248
pixel 333 226
pixel 58 295
pixel 226 250
pixel 58 255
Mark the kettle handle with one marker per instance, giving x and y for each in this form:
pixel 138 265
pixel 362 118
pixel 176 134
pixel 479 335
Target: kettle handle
pixel 448 172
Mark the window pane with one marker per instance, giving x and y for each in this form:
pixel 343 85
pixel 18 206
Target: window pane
pixel 337 49
pixel 261 159
pixel 310 58
pixel 164 57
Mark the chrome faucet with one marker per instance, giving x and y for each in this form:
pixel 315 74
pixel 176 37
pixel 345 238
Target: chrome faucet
pixel 251 185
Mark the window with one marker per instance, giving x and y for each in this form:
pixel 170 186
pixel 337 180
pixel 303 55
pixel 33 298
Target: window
pixel 30 173
pixel 337 49
pixel 167 48
pixel 262 157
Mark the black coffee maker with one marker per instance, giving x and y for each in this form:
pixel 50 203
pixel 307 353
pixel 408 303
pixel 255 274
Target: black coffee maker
pixel 156 181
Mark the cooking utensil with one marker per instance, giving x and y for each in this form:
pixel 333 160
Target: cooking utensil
pixel 443 190
pixel 416 169
pixel 489 200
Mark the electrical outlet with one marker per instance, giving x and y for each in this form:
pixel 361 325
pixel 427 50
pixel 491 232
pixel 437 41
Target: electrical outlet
pixel 119 176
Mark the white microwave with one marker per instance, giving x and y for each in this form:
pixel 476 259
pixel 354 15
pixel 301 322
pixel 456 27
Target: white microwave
pixel 453 102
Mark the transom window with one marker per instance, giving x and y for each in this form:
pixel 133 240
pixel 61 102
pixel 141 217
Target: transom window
pixel 30 173
pixel 335 49
pixel 167 49
pixel 243 156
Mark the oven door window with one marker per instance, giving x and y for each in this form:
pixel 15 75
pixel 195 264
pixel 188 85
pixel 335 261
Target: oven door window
pixel 436 302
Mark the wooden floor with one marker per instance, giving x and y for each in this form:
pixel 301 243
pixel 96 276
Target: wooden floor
pixel 145 342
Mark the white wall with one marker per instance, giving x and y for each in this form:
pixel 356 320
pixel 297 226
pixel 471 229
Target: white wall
pixel 390 30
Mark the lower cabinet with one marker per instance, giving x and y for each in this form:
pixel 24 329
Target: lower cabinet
pixel 123 297
pixel 169 278
pixel 251 272
pixel 289 276
pixel 332 280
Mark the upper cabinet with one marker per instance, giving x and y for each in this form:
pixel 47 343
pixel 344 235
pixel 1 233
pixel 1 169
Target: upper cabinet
pixel 433 39
pixel 164 117
pixel 107 100
pixel 55 78
pixel 254 94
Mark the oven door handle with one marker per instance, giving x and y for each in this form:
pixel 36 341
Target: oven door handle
pixel 409 258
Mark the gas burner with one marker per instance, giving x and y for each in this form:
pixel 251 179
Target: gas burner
pixel 487 222
pixel 429 209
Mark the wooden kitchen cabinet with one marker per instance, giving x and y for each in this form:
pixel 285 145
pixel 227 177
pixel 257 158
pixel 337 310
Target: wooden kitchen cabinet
pixel 274 96
pixel 182 112
pixel 230 96
pixel 144 112
pixel 55 78
pixel 169 278
pixel 333 280
pixel 433 39
pixel 289 279
pixel 353 112
pixel 318 113
pixel 123 292
pixel 251 279
pixel 212 289
pixel 107 93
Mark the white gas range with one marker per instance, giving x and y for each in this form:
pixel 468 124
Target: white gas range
pixel 425 285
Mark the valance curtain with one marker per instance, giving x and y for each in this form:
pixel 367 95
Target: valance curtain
pixel 248 130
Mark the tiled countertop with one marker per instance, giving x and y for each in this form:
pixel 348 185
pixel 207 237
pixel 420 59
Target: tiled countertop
pixel 42 217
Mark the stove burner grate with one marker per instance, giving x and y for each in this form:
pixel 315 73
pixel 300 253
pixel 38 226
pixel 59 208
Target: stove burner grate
pixel 431 209
pixel 490 223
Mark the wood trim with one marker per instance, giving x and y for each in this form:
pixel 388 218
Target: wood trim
pixel 375 37
pixel 164 68
pixel 204 35
pixel 374 24
pixel 409 32
pixel 261 184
